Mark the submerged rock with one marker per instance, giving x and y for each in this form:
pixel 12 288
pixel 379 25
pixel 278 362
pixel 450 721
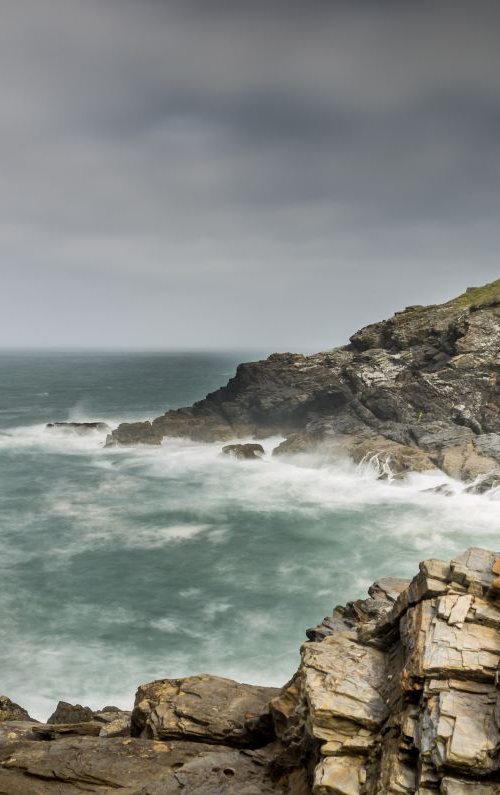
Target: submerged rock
pixel 419 391
pixel 244 451
pixel 79 427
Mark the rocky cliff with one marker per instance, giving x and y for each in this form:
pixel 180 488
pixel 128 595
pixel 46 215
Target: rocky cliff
pixel 420 390
pixel 397 693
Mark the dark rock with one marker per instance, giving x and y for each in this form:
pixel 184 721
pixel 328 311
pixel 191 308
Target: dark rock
pixel 244 451
pixel 443 488
pixel 79 427
pixel 10 711
pixel 70 713
pixel 129 433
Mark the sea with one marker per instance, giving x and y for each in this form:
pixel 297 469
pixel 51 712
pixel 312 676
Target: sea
pixel 119 566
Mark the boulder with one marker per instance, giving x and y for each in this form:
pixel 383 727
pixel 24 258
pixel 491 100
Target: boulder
pixel 204 708
pixel 248 452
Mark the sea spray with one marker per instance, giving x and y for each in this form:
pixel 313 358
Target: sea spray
pixel 122 565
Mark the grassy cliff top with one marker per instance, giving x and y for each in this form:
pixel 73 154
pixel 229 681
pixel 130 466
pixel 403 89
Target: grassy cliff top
pixel 487 295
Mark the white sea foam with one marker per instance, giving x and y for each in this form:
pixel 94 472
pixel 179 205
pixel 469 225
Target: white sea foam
pixel 183 559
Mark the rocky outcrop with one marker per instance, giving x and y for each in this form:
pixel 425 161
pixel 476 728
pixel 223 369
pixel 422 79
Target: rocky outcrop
pixel 204 708
pixel 417 391
pixel 397 693
pixel 135 433
pixel 400 691
pixel 70 713
pixel 201 735
pixel 10 711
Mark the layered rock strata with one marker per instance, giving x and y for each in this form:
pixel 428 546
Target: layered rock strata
pixel 397 693
pixel 418 391
pixel 402 695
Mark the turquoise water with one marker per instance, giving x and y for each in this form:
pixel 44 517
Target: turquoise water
pixel 119 566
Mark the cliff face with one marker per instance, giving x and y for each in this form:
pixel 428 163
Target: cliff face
pixel 420 390
pixel 401 691
pixel 397 693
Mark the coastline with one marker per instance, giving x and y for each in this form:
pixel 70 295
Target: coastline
pixel 395 693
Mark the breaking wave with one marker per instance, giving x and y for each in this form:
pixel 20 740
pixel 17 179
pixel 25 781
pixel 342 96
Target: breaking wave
pixel 122 565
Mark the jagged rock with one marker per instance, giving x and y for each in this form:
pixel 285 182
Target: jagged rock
pixel 70 713
pixel 75 719
pixel 203 707
pixel 249 452
pixel 10 711
pixel 406 699
pixel 79 427
pixel 414 392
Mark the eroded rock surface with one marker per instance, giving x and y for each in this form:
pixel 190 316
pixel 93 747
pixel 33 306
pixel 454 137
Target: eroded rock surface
pixel 204 707
pixel 417 391
pixel 132 767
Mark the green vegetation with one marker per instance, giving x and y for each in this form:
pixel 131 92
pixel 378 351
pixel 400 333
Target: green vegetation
pixel 487 295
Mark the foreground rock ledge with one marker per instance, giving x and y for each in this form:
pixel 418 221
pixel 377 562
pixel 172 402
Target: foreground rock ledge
pixel 397 693
pixel 418 391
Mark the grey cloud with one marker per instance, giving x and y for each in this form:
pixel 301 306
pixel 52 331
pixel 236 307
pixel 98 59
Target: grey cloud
pixel 166 162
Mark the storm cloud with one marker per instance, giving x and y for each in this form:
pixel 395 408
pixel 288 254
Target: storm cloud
pixel 268 174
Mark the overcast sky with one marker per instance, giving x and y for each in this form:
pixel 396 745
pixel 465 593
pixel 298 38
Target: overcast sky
pixel 242 173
